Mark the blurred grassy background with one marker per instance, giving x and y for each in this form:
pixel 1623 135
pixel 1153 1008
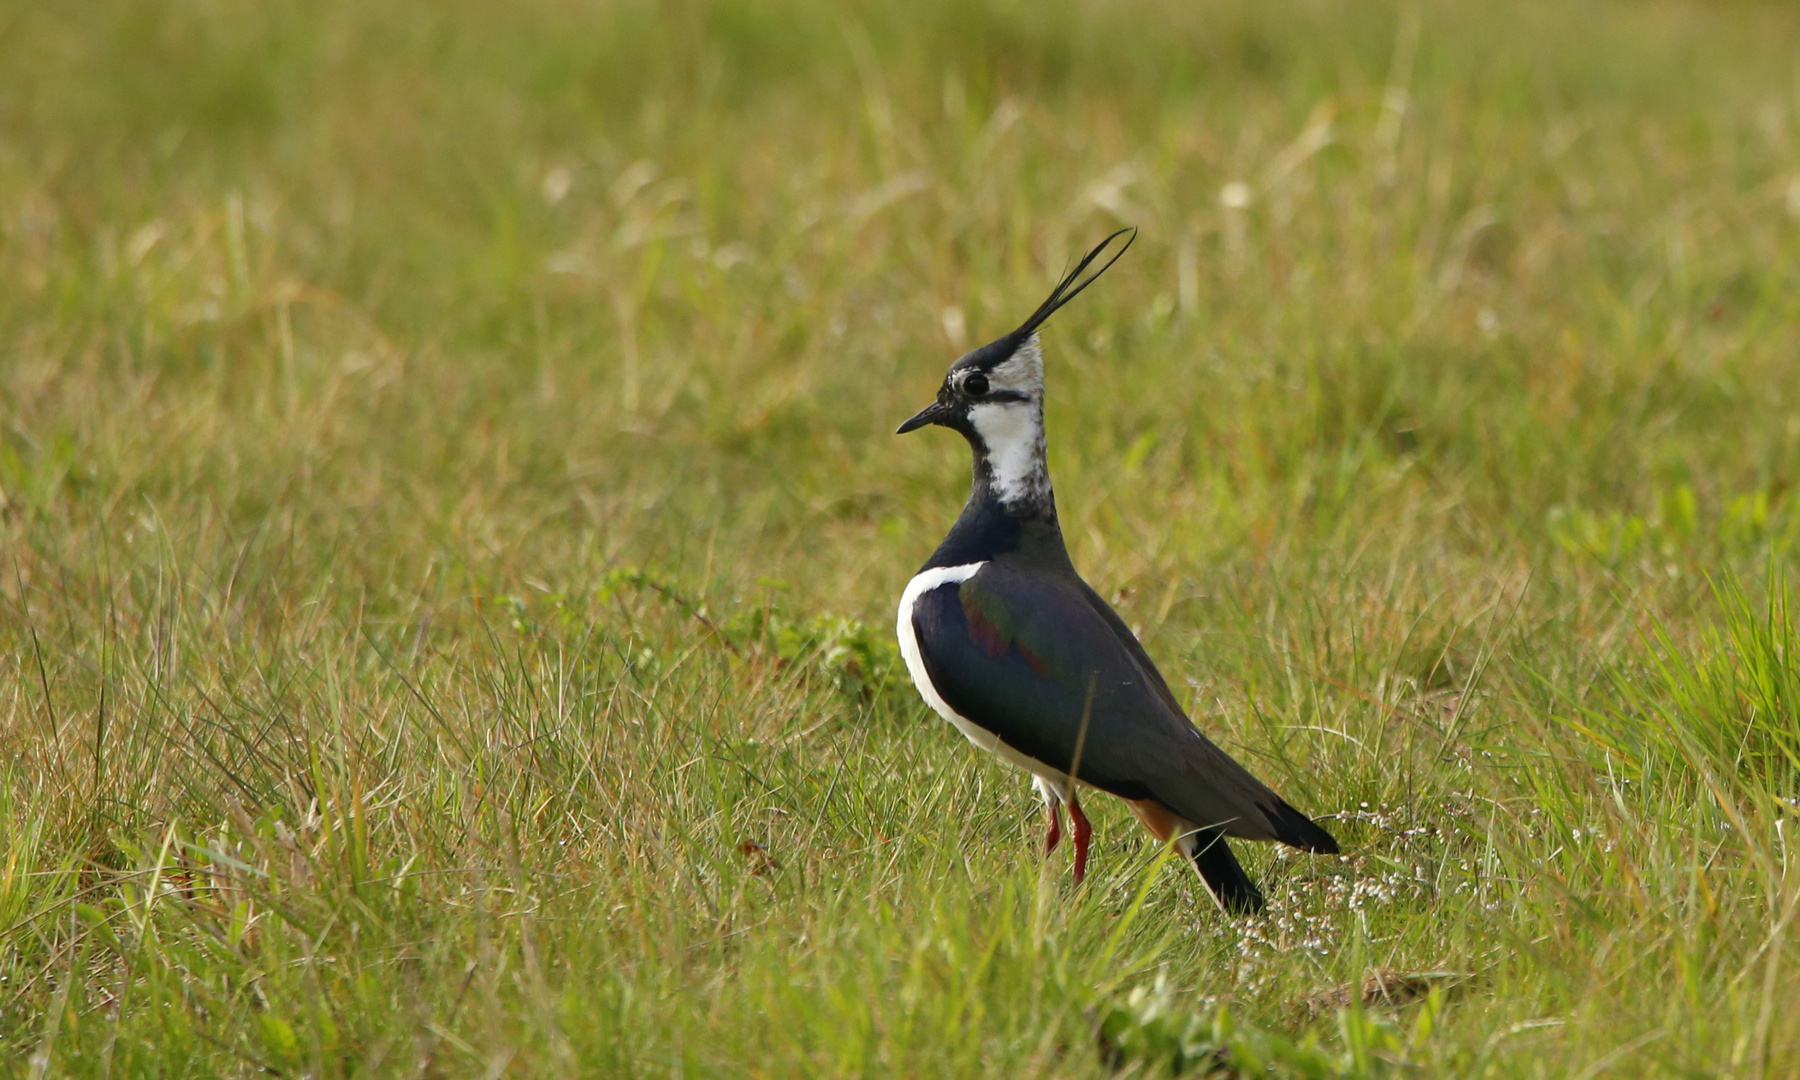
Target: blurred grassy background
pixel 451 530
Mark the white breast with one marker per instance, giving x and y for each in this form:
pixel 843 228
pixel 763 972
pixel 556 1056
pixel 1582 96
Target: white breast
pixel 923 583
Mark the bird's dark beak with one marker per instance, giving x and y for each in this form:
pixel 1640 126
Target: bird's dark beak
pixel 930 414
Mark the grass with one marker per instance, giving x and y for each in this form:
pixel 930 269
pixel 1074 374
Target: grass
pixel 450 531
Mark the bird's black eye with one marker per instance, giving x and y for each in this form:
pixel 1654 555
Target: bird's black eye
pixel 975 385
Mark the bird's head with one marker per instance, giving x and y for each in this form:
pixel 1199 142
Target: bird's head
pixel 1000 387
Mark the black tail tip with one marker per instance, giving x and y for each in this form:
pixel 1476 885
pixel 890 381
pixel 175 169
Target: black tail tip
pixel 1297 830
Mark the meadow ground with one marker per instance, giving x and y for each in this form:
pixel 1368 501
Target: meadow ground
pixel 450 527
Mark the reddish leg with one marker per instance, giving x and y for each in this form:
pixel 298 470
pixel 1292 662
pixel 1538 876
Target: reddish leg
pixel 1054 836
pixel 1080 830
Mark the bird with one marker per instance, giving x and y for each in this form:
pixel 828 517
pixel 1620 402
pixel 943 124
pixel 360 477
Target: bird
pixel 1005 640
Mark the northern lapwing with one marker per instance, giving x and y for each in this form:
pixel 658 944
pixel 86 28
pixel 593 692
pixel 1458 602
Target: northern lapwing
pixel 1007 642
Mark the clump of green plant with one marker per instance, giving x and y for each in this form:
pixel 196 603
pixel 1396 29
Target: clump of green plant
pixel 1756 522
pixel 1162 1030
pixel 857 659
pixel 1715 712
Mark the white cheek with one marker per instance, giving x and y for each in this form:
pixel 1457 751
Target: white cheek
pixel 1023 371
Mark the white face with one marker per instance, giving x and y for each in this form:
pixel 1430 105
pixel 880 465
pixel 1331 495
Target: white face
pixel 1013 430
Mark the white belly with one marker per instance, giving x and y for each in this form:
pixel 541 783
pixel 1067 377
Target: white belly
pixel 1049 781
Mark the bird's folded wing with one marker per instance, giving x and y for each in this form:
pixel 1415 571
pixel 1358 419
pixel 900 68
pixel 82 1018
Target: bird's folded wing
pixel 1046 666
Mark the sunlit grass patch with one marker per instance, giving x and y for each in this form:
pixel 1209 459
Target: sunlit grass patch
pixel 1715 718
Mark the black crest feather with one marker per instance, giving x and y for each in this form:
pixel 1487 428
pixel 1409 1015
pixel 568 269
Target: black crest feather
pixel 1072 284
